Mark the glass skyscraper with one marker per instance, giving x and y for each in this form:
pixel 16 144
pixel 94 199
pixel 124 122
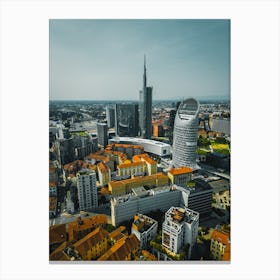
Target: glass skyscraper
pixel 145 120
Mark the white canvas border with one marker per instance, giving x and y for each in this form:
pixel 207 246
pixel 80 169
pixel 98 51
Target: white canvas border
pixel 24 137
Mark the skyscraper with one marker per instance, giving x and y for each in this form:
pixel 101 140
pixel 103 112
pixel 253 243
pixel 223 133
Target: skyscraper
pixel 127 120
pixel 102 134
pixel 185 134
pixel 110 116
pixel 145 120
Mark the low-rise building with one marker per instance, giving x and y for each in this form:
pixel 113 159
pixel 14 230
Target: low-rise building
pixel 93 245
pixel 126 249
pixel 53 188
pixel 180 229
pixel 144 228
pixel 129 169
pixel 151 165
pixel 123 187
pixel 81 227
pixel 180 176
pixel 220 245
pixel 52 206
pixel 104 173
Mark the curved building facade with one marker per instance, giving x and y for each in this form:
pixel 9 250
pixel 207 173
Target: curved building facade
pixel 185 134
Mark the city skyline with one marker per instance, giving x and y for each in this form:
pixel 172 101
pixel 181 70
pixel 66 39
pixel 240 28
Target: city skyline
pixel 103 59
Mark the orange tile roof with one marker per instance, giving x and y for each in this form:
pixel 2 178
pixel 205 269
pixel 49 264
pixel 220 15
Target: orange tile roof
pixel 52 169
pixel 58 254
pixel 220 236
pixel 102 167
pixel 180 170
pixel 125 165
pixel 117 232
pixel 148 256
pixel 57 233
pixel 104 190
pixel 90 240
pixel 226 256
pixel 145 157
pixel 52 184
pixel 120 250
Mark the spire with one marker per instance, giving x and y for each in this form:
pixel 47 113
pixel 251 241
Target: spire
pixel 144 76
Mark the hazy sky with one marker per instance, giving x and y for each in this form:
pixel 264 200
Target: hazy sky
pixel 103 59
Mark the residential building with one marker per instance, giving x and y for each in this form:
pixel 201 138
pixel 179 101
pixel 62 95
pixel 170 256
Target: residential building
pixel 52 188
pixel 129 169
pixel 145 108
pixel 87 190
pixel 144 228
pixel 81 227
pixel 102 134
pixel 220 245
pixel 93 245
pixel 104 173
pixel 57 234
pixel 127 120
pixel 52 206
pixel 180 176
pixel 123 187
pixel 180 229
pixel 126 249
pixel 129 149
pixel 185 134
pixel 151 165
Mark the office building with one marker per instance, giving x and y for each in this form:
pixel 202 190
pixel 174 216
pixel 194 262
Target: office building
pixel 127 120
pixel 110 116
pixel 145 108
pixel 102 134
pixel 145 229
pixel 185 134
pixel 87 191
pixel 180 228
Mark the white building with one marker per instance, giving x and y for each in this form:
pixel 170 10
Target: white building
pixel 87 190
pixel 179 229
pixel 185 134
pixel 150 146
pixel 145 229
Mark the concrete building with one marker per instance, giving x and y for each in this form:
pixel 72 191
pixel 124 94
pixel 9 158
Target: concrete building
pixel 145 108
pixel 123 208
pixel 128 149
pixel 145 229
pixel 180 228
pixel 220 246
pixel 102 134
pixel 87 191
pixel 185 134
pixel 180 176
pixel 150 146
pixel 127 120
pixel 110 116
pixel 104 173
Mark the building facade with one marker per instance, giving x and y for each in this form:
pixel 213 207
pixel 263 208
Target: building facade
pixel 145 109
pixel 87 191
pixel 110 116
pixel 220 246
pixel 180 176
pixel 145 229
pixel 127 120
pixel 185 134
pixel 104 173
pixel 180 228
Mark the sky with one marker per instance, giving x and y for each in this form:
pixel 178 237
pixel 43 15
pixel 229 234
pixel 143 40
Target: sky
pixel 103 59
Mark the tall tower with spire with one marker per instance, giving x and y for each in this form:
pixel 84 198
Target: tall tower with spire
pixel 145 107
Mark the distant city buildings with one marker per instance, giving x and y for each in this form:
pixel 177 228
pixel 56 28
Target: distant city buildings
pixel 102 133
pixel 127 120
pixel 145 109
pixel 87 190
pixel 221 125
pixel 185 134
pixel 180 228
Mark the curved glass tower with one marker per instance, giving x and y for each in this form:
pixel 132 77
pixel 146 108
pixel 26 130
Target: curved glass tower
pixel 185 134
